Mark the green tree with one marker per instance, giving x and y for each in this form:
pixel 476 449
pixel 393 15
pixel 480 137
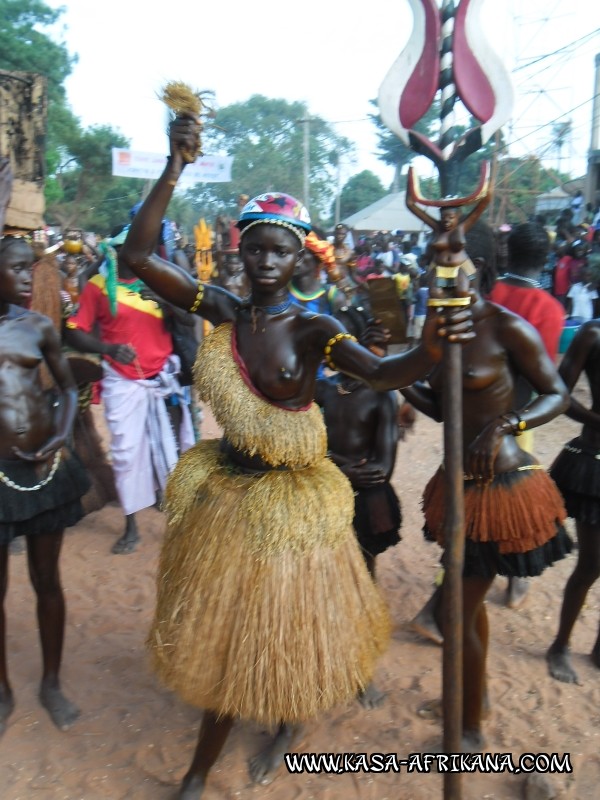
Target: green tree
pixel 24 47
pixel 85 192
pixel 266 139
pixel 392 150
pixel 359 192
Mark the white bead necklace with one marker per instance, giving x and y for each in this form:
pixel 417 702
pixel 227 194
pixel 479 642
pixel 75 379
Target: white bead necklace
pixel 8 482
pixel 531 281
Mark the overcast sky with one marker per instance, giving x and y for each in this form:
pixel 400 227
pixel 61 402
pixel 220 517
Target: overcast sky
pixel 324 52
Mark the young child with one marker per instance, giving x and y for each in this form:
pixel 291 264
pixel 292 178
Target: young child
pixel 362 439
pixel 582 297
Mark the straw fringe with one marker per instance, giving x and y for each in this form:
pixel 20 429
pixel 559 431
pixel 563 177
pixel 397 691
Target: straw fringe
pixel 519 510
pixel 181 98
pixel 265 609
pixel 278 436
pixel 318 499
pixel 269 639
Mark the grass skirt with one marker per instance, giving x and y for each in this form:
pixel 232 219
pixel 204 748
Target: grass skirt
pixel 513 526
pixel 576 471
pixel 265 609
pixel 55 506
pixel 377 518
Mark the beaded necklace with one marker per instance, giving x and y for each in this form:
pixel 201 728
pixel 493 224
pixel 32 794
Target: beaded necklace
pixel 305 296
pixel 271 310
pixel 12 485
pixel 531 281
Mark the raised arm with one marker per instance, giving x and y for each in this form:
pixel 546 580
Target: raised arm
pixel 168 280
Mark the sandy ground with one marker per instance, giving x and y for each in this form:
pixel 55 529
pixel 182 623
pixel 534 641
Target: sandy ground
pixel 134 739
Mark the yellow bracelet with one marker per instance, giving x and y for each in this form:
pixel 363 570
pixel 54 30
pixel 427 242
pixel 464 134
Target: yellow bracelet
pixel 517 425
pixel 196 304
pixel 331 343
pixel 448 302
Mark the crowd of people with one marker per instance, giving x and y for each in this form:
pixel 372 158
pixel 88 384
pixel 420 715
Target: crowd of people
pixel 268 608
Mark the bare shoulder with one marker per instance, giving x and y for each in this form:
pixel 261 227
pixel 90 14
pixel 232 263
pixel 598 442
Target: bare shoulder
pixel 587 337
pixel 511 327
pixel 43 325
pixel 320 326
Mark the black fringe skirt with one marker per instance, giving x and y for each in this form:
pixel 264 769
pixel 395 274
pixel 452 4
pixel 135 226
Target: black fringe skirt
pixel 377 518
pixel 49 509
pixel 576 472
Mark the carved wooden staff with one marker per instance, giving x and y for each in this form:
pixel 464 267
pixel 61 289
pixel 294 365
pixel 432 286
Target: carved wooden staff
pixel 447 52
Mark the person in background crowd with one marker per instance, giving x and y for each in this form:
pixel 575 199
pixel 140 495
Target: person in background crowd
pixel 139 375
pixel 582 297
pixel 576 471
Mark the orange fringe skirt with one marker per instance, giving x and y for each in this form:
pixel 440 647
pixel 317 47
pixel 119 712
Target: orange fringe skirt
pixel 513 526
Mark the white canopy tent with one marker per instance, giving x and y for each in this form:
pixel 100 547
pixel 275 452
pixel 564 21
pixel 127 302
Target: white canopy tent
pixel 388 214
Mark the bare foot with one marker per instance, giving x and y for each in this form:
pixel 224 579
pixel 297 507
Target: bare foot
pixel 126 544
pixel 425 625
pixel 264 766
pixel 559 666
pixel 191 788
pixel 516 592
pixel 63 712
pixel 7 704
pixel 371 697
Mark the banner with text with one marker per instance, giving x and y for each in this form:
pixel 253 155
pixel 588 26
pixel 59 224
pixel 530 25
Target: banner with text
pixel 148 166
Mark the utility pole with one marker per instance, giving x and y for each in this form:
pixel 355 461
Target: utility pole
pixel 306 161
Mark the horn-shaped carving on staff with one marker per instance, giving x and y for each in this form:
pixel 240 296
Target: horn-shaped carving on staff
pixel 413 190
pixel 409 87
pixel 482 82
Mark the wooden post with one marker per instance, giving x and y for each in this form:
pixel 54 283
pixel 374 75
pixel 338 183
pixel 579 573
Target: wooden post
pixel 440 56
pixel 452 681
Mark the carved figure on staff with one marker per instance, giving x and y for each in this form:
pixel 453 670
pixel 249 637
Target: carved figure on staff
pixel 448 241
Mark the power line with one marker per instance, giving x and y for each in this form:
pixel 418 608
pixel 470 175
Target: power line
pixel 557 51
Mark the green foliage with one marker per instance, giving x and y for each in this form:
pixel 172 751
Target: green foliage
pixel 83 188
pixel 392 150
pixel 25 48
pixel 359 192
pixel 266 139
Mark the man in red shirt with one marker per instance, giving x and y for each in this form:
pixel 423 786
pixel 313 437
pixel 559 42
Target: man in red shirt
pixel 139 374
pixel 519 290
